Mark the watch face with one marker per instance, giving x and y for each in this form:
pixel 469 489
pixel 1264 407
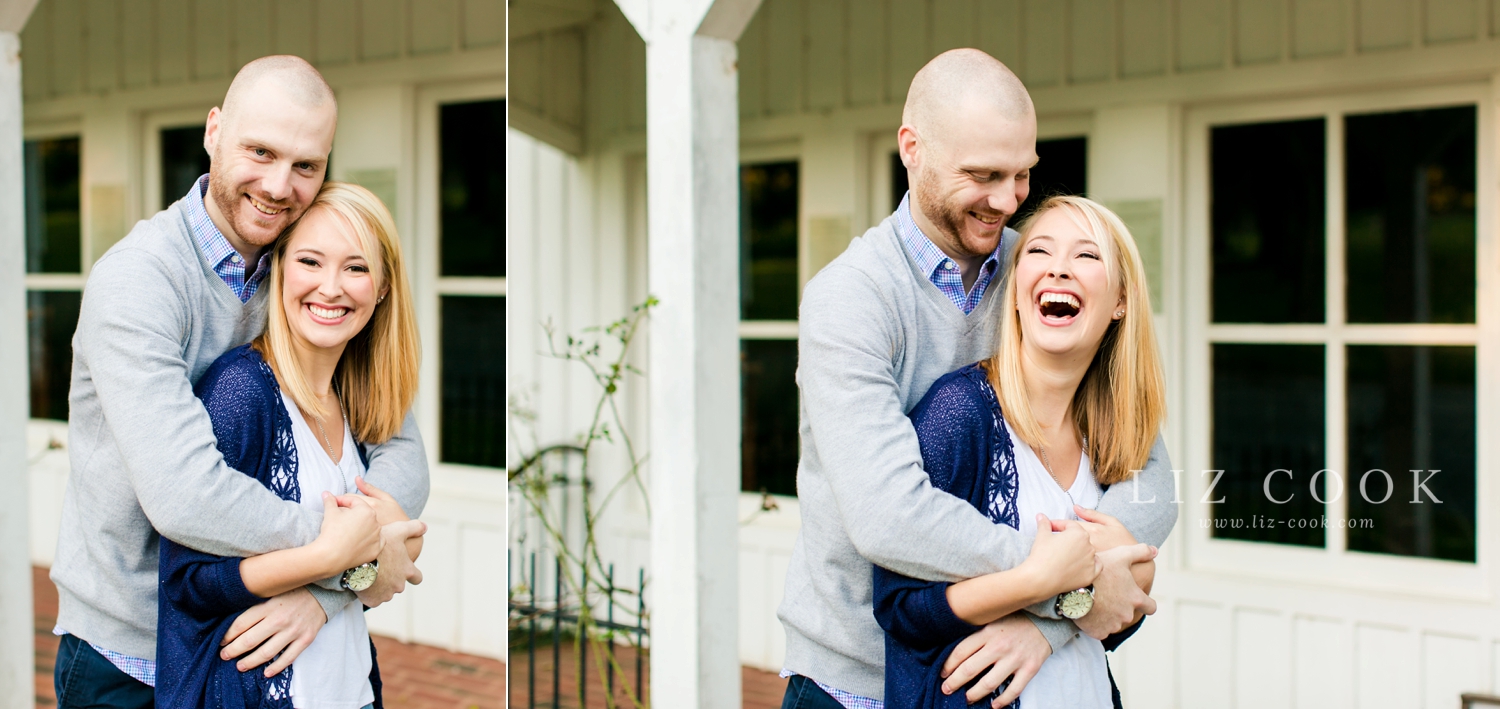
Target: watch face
pixel 1076 604
pixel 360 577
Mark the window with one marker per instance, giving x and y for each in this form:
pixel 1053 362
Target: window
pixel 183 161
pixel 54 270
pixel 769 287
pixel 1342 330
pixel 471 282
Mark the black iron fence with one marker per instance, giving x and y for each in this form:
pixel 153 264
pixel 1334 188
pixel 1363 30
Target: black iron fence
pixel 541 626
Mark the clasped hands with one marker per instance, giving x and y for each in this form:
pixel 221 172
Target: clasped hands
pixel 356 529
pixel 1069 554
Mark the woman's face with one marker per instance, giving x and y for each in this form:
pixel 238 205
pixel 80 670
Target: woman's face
pixel 1064 294
pixel 327 289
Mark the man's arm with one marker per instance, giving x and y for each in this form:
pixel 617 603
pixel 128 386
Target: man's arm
pixel 130 333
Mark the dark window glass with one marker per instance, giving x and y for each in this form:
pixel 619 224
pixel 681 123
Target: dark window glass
pixel 51 318
pixel 53 235
pixel 768 241
pixel 1268 416
pixel 473 376
pixel 1268 222
pixel 1062 168
pixel 183 161
pixel 472 188
pixel 1412 408
pixel 769 442
pixel 1410 217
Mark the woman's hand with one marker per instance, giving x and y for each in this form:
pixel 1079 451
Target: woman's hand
pixel 1105 532
pixel 350 535
pixel 1062 558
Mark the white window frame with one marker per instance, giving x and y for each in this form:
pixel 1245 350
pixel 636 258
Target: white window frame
pixel 1333 566
pixel 152 124
pixel 430 286
pixel 762 154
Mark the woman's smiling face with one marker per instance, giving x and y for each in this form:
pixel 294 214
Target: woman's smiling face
pixel 327 289
pixel 1065 295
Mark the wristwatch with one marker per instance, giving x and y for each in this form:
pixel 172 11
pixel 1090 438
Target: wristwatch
pixel 1075 604
pixel 363 576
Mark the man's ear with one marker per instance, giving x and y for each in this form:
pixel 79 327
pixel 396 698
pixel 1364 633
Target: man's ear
pixel 211 130
pixel 906 145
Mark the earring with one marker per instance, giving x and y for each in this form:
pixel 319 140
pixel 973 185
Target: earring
pixel 1119 314
pixel 381 299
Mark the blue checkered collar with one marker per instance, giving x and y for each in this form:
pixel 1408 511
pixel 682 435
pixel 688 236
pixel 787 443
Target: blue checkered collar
pixel 211 242
pixel 930 259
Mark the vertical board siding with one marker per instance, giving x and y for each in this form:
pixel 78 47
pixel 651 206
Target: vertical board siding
pixel 1387 673
pixel 296 21
pixel 174 32
pixel 1091 40
pixel 1323 667
pixel 251 31
pixel 826 76
pixel 380 23
pixel 1044 27
pixel 1259 31
pixel 1385 24
pixel 1204 635
pixel 101 44
pixel 484 23
pixel 34 56
pixel 1262 659
pixel 67 48
pixel 210 39
pixel 906 46
pixel 952 25
pixel 524 88
pixel 999 23
pixel 1202 31
pixel 867 59
pixel 1319 27
pixel 784 42
pixel 1451 20
pixel 432 26
pixel 484 619
pixel 752 67
pixel 138 36
pixel 336 32
pixel 1143 37
pixel 564 52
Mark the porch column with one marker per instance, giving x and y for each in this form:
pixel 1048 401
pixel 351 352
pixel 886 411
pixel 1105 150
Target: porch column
pixel 17 688
pixel 692 163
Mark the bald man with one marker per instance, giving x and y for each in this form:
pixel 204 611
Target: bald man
pixel 909 301
pixel 159 307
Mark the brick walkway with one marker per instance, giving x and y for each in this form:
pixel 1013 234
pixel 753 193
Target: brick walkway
pixel 759 690
pixel 416 676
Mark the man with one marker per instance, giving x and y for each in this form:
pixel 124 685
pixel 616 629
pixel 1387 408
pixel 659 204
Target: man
pixel 158 309
pixel 909 301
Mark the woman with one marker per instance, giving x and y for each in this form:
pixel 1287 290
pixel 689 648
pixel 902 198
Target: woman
pixel 1070 403
pixel 334 370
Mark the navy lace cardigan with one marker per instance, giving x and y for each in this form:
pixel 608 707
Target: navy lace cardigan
pixel 967 453
pixel 202 594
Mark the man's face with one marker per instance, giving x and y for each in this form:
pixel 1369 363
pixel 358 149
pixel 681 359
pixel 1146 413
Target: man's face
pixel 268 164
pixel 969 179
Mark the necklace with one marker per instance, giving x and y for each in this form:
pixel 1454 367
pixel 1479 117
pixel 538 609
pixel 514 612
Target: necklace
pixel 327 442
pixel 1048 464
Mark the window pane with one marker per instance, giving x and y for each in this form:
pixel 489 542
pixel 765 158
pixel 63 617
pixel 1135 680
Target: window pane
pixel 1268 416
pixel 51 318
pixel 769 444
pixel 768 241
pixel 1412 408
pixel 1062 168
pixel 472 188
pixel 1410 218
pixel 1267 221
pixel 473 376
pixel 53 237
pixel 183 161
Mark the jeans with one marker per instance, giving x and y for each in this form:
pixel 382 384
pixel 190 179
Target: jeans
pixel 803 693
pixel 84 679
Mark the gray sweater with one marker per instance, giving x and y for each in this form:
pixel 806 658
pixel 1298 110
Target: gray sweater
pixel 142 451
pixel 875 334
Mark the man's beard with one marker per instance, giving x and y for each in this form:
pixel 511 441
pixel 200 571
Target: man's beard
pixel 948 218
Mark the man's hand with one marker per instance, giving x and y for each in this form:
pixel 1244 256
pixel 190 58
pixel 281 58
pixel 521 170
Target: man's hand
pixel 1118 601
pixel 284 625
pixel 387 509
pixel 396 567
pixel 1009 646
pixel 1105 532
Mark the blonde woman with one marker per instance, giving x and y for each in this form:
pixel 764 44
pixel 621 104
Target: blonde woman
pixel 1069 404
pixel 335 370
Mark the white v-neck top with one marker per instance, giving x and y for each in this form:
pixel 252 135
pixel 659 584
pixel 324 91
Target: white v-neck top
pixel 1076 675
pixel 334 671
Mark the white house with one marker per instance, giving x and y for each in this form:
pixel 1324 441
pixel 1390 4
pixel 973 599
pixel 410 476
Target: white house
pixel 1312 183
pixel 102 121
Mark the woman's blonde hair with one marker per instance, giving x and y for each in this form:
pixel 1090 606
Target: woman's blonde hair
pixel 377 376
pixel 1121 401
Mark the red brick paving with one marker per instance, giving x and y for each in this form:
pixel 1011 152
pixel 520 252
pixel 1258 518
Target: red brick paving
pixel 759 690
pixel 415 676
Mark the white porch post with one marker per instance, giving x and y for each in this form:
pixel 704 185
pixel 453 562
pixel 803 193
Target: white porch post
pixel 692 156
pixel 16 644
